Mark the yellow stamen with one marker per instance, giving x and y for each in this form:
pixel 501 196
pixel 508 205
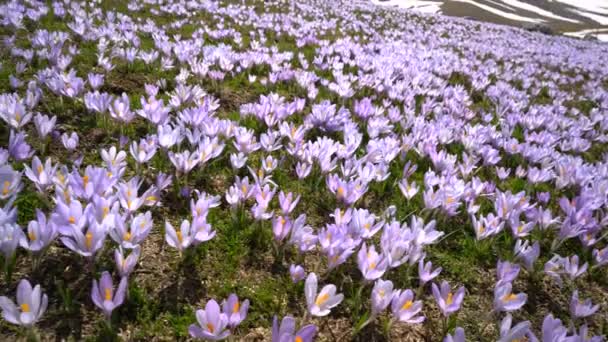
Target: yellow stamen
pixel 31 235
pixel 85 180
pixel 151 198
pixel 372 265
pixel 260 173
pixel 108 294
pixel 367 226
pixel 127 236
pixel 283 221
pixel 509 297
pixel 449 200
pixel 520 229
pixel 179 236
pixel 40 169
pixel 72 220
pixel 407 305
pixel 298 339
pixel 450 299
pixel 89 240
pixel 210 327
pixel 236 307
pixel 244 188
pixel 340 191
pixel 7 184
pixel 105 211
pixel 17 116
pixel 25 307
pixel 322 299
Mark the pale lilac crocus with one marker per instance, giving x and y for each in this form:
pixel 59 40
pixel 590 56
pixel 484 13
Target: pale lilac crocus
pixel 126 265
pixel 211 323
pixel 31 305
pixel 320 304
pixel 457 337
pixel 506 300
pixel 426 272
pixel 286 331
pixel 297 273
pixel 371 264
pixel 234 310
pixel 70 141
pixel 382 293
pixel 580 309
pixel 105 297
pixel 448 301
pixel 506 272
pixel 40 233
pixel 519 332
pixel 180 239
pixel 405 308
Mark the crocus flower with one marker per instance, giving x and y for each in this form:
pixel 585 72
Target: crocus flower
pixel 18 148
pixel 70 142
pixel 528 254
pixel 297 273
pixel 10 182
pixel 426 272
pixel 126 265
pixel 371 264
pixel 10 236
pixel 211 323
pixel 405 308
pixel 519 332
pixel 40 233
pixel 320 304
pixel 287 331
pixel 382 293
pixel 505 300
pixel 287 202
pixel 457 337
pixel 105 297
pixel 448 301
pixel 86 244
pixel 31 304
pixel 506 271
pixel 44 125
pixel 579 309
pixel 40 174
pixel 235 310
pixel 180 239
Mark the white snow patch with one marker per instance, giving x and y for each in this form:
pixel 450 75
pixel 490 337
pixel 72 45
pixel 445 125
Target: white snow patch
pixel 507 15
pixel 416 5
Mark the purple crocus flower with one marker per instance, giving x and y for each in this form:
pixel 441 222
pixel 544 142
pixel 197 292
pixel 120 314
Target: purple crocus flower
pixel 18 148
pixel 211 323
pixel 86 243
pixel 10 236
pixel 520 331
pixel 405 308
pixel 580 309
pixel 528 254
pixel 426 272
pixel 31 305
pixel 371 264
pixel 287 202
pixel 126 265
pixel 448 301
pixel 320 304
pixel 506 271
pixel 297 273
pixel 70 141
pixel 180 239
pixel 44 125
pixel 505 300
pixel 105 297
pixel 457 337
pixel 235 310
pixel 287 331
pixel 40 233
pixel 382 293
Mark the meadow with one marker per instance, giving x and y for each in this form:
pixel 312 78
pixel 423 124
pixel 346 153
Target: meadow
pixel 295 171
